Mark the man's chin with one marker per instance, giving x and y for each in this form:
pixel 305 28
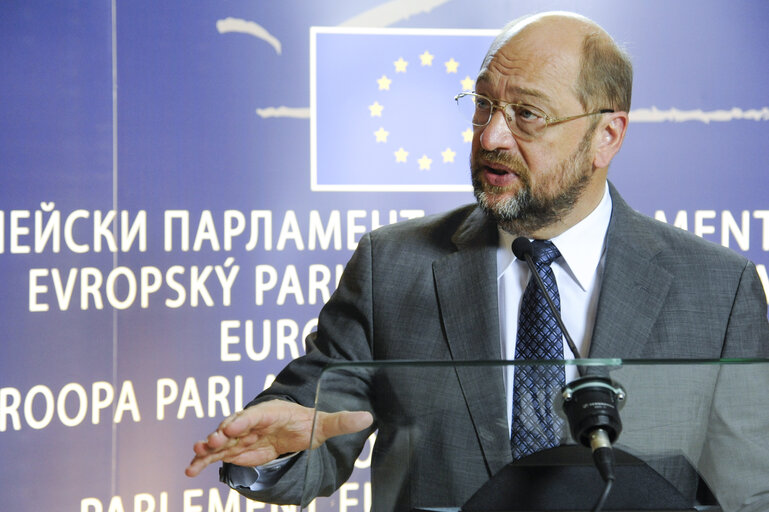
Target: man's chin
pixel 503 207
pixel 496 194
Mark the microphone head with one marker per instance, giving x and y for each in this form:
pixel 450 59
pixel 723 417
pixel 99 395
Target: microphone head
pixel 591 403
pixel 521 247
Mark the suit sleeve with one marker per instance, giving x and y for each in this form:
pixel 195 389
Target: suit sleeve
pixel 344 334
pixel 734 459
pixel 747 334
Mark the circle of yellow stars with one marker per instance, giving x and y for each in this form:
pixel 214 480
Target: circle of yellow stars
pixel 375 109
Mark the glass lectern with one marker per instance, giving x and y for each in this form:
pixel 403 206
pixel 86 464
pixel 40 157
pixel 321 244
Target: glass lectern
pixel 689 435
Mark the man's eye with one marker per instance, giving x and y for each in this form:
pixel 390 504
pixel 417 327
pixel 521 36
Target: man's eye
pixel 482 103
pixel 525 114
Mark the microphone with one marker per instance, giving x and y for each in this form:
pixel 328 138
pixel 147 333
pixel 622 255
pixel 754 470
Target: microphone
pixel 591 404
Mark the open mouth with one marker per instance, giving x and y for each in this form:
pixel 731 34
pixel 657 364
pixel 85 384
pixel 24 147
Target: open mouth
pixel 498 172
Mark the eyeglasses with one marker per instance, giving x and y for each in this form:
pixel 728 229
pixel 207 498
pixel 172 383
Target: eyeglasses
pixel 523 120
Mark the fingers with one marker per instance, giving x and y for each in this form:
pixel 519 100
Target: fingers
pixel 263 432
pixel 356 421
pixel 265 417
pixel 255 435
pixel 214 441
pixel 249 448
pixel 195 467
pixel 242 422
pixel 199 463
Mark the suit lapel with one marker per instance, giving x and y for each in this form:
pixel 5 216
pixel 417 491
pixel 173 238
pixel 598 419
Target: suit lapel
pixel 633 287
pixel 466 286
pixel 633 292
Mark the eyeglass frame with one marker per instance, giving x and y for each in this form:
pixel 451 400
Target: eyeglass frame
pixel 502 105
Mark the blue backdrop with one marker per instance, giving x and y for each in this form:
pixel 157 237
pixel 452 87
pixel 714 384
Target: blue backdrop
pixel 182 182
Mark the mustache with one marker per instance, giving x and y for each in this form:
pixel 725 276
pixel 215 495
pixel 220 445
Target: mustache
pixel 513 162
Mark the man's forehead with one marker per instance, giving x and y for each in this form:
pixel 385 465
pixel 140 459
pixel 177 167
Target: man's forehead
pixel 511 89
pixel 524 69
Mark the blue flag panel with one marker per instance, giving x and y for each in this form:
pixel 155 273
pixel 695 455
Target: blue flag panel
pixel 385 119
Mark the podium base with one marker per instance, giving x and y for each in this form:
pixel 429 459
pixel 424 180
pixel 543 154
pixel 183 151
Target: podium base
pixel 564 479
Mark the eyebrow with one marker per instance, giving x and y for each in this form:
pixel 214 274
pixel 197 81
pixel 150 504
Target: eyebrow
pixel 517 90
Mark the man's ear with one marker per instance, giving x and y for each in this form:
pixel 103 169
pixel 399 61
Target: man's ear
pixel 609 137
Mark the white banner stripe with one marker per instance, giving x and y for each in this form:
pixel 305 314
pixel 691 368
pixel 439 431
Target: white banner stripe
pixel 641 115
pixel 655 115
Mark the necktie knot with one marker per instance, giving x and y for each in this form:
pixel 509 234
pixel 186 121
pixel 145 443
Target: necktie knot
pixel 544 252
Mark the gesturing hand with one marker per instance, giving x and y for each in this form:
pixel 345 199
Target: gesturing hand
pixel 259 434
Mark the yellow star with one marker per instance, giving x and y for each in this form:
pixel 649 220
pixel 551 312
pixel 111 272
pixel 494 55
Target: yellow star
pixel 384 83
pixel 381 135
pixel 426 58
pixel 448 155
pixel 376 109
pixel 467 135
pixel 424 163
pixel 401 155
pixel 467 84
pixel 451 65
pixel 400 65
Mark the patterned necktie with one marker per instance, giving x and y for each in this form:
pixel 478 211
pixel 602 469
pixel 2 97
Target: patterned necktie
pixel 535 425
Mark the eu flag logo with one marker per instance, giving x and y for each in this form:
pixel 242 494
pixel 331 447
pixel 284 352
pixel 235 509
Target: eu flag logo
pixel 383 116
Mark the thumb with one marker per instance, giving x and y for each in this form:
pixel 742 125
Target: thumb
pixel 340 423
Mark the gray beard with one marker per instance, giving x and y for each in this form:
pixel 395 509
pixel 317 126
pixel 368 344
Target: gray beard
pixel 526 213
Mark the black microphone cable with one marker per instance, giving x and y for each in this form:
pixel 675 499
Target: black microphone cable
pixel 603 457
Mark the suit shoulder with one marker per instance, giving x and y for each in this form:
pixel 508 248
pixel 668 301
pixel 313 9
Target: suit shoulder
pixel 433 229
pixel 674 242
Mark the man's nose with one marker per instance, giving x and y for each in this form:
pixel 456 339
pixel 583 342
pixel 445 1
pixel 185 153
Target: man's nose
pixel 497 134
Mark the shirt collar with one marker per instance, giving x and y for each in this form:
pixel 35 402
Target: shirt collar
pixel 581 246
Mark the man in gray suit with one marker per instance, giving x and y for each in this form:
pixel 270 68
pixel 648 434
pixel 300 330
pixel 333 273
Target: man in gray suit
pixel 550 112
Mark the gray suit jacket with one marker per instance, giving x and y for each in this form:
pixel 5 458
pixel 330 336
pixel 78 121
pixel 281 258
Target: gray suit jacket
pixel 426 290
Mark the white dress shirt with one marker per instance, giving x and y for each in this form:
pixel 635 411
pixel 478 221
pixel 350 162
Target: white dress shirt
pixel 578 273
